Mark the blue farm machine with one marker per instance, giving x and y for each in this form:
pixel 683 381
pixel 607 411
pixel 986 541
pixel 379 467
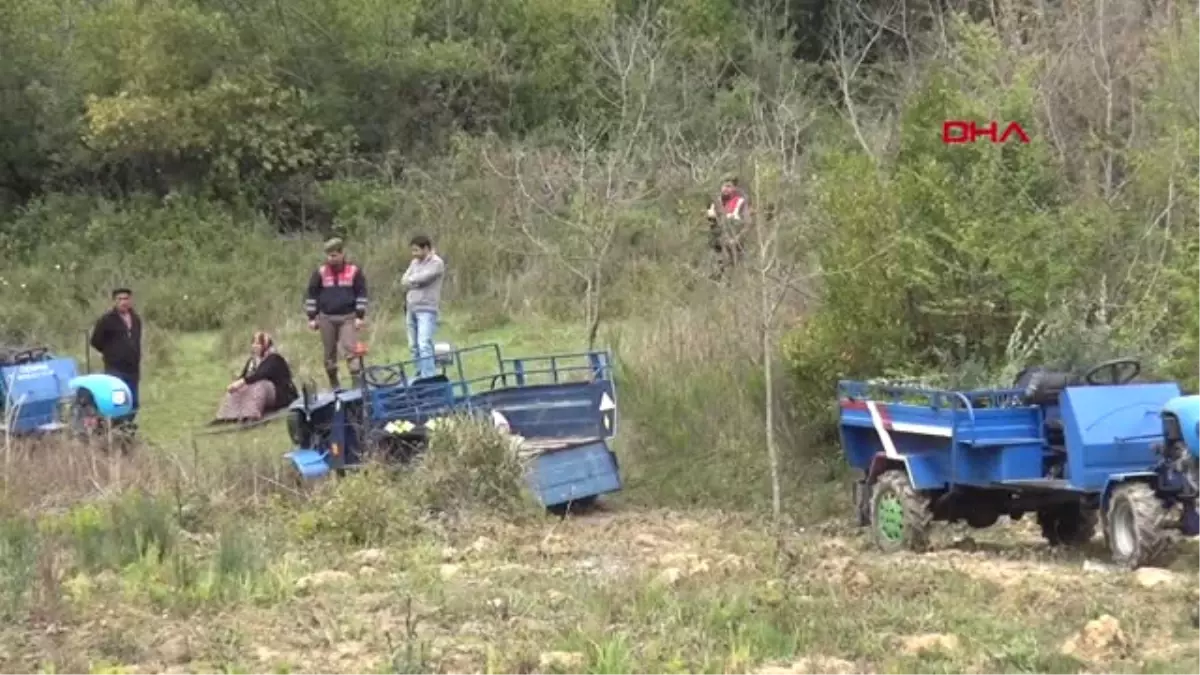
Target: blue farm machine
pixel 42 394
pixel 560 408
pixel 1078 452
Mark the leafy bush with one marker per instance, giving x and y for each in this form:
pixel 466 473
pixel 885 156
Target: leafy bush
pixel 364 509
pixel 471 465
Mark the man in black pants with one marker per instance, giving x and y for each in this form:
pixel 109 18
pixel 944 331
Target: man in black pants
pixel 118 337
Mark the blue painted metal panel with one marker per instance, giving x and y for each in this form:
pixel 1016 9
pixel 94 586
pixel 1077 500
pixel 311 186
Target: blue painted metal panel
pixel 111 395
pixel 415 403
pixel 1112 430
pixel 944 437
pixel 572 409
pixel 574 473
pixel 36 390
pixel 1187 410
pixel 928 471
pixel 310 463
pixel 1025 461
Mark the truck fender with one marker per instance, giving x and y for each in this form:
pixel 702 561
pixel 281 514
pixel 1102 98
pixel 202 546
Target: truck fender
pixel 111 396
pixel 881 462
pixel 1118 479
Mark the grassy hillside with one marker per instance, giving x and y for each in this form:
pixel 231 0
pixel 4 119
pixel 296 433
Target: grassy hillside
pixel 561 153
pixel 198 555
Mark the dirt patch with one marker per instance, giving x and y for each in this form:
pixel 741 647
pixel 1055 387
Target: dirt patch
pixel 1101 640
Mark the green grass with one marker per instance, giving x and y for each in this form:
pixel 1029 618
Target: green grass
pixel 181 393
pixel 650 591
pixel 196 556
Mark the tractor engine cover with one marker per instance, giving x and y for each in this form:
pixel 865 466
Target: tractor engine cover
pixel 1181 423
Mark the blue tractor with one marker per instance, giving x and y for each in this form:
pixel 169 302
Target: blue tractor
pixel 1074 451
pixel 562 409
pixel 41 394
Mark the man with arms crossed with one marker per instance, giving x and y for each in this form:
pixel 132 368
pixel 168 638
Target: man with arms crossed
pixel 422 282
pixel 336 305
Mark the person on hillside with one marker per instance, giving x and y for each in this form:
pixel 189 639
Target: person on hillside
pixel 117 335
pixel 727 221
pixel 336 305
pixel 422 282
pixel 264 385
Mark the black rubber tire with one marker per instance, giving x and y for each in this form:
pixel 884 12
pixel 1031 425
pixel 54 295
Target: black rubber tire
pixel 1068 524
pixel 861 500
pixel 573 506
pixel 981 520
pixel 916 514
pixel 1148 517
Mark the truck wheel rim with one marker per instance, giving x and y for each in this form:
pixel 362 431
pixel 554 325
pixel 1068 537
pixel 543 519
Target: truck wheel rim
pixel 1124 534
pixel 890 516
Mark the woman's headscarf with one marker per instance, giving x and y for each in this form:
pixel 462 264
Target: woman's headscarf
pixel 268 347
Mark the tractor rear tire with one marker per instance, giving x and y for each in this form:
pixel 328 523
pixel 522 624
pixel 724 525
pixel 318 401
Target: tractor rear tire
pixel 1136 521
pixel 1068 524
pixel 900 515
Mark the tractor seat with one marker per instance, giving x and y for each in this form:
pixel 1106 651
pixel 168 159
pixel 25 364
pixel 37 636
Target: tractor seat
pixel 1042 387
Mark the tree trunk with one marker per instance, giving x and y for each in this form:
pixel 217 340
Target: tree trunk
pixel 769 417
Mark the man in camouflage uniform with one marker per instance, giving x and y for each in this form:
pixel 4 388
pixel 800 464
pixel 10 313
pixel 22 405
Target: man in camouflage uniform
pixel 727 221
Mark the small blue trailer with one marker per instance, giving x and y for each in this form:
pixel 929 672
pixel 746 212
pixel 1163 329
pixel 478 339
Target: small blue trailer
pixel 1074 451
pixel 562 406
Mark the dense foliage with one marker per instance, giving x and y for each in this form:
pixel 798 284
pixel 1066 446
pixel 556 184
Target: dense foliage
pixel 561 152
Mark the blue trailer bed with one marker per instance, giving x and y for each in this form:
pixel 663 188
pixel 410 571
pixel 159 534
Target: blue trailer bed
pixel 562 406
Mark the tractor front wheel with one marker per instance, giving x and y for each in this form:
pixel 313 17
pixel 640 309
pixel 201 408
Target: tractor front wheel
pixel 900 515
pixel 1136 522
pixel 1068 524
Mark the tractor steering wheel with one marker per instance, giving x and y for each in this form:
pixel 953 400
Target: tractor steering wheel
pixel 1114 367
pixel 30 355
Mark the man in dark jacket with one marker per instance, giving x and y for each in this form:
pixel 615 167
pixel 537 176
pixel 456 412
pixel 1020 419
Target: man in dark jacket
pixel 336 305
pixel 117 335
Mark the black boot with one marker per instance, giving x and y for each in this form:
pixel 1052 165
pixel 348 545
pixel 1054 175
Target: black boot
pixel 333 379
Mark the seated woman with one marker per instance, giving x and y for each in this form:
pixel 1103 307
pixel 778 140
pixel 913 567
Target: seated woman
pixel 264 386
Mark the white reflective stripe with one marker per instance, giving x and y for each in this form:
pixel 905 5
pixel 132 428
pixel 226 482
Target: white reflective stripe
pixel 889 448
pixel 926 429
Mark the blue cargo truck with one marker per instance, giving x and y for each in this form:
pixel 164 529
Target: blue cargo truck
pixel 563 408
pixel 1077 452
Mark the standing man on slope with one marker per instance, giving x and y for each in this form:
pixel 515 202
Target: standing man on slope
pixel 117 335
pixel 726 224
pixel 336 305
pixel 422 282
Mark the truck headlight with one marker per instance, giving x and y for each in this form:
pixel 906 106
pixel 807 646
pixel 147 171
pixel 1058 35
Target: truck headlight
pixel 119 398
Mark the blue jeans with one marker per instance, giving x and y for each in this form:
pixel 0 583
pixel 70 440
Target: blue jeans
pixel 422 324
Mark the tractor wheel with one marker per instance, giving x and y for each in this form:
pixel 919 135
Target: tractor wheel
pixel 1136 522
pixel 900 515
pixel 1068 524
pixel 861 500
